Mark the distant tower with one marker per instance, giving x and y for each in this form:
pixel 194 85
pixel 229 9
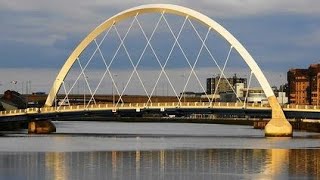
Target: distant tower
pixel 224 84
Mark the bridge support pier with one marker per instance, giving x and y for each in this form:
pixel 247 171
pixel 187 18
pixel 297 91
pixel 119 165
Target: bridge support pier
pixel 278 126
pixel 41 127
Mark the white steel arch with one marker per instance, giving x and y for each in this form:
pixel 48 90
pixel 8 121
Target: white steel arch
pixel 160 8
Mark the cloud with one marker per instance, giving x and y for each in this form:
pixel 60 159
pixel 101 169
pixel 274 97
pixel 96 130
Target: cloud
pixel 44 22
pixel 45 32
pixel 236 8
pixel 218 8
pixel 73 16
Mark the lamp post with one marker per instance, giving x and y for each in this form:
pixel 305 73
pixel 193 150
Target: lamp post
pixel 26 94
pixel 22 87
pixel 30 90
pixel 281 90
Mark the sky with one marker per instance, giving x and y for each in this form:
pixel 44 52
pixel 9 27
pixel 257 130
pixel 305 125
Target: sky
pixel 37 36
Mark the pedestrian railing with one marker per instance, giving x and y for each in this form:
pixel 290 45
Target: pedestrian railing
pixel 157 105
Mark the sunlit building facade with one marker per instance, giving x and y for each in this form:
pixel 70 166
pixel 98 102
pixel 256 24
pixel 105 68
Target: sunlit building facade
pixel 304 85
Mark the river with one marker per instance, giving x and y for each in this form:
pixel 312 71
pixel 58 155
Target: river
pixel 118 150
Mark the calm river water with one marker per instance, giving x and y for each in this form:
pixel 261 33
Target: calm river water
pixel 115 150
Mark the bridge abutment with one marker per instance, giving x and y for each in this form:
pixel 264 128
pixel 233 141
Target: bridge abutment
pixel 278 126
pixel 41 127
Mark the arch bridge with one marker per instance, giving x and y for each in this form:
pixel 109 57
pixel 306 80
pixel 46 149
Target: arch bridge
pixel 278 126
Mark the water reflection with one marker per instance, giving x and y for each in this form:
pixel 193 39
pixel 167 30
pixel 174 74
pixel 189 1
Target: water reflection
pixel 55 164
pixel 163 164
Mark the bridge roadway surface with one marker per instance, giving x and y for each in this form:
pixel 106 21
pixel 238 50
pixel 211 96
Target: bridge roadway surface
pixel 174 108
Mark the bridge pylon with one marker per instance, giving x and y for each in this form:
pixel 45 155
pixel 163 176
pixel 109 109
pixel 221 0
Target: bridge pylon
pixel 41 127
pixel 278 126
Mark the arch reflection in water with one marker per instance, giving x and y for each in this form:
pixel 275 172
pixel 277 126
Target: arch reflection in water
pixel 163 164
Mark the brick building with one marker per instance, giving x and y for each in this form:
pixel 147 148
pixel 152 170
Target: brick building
pixel 304 85
pixel 314 73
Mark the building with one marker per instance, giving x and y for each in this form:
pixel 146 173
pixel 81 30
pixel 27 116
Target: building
pixel 239 89
pixel 12 100
pixel 298 82
pixel 282 98
pixel 281 93
pixel 214 86
pixel 314 73
pixel 254 95
pixel 304 85
pixel 228 97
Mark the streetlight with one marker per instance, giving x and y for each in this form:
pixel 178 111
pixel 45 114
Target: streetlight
pixel 281 90
pixel 29 87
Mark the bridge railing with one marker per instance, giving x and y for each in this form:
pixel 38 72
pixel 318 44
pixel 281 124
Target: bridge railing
pixel 13 112
pixel 296 106
pixel 160 105
pixel 171 105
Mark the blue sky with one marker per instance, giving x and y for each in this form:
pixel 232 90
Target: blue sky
pixel 41 34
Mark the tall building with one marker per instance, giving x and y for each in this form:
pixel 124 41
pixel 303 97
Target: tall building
pixel 298 82
pixel 304 85
pixel 224 84
pixel 314 73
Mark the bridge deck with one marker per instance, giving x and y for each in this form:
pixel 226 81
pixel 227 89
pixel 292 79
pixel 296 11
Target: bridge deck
pixel 161 106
